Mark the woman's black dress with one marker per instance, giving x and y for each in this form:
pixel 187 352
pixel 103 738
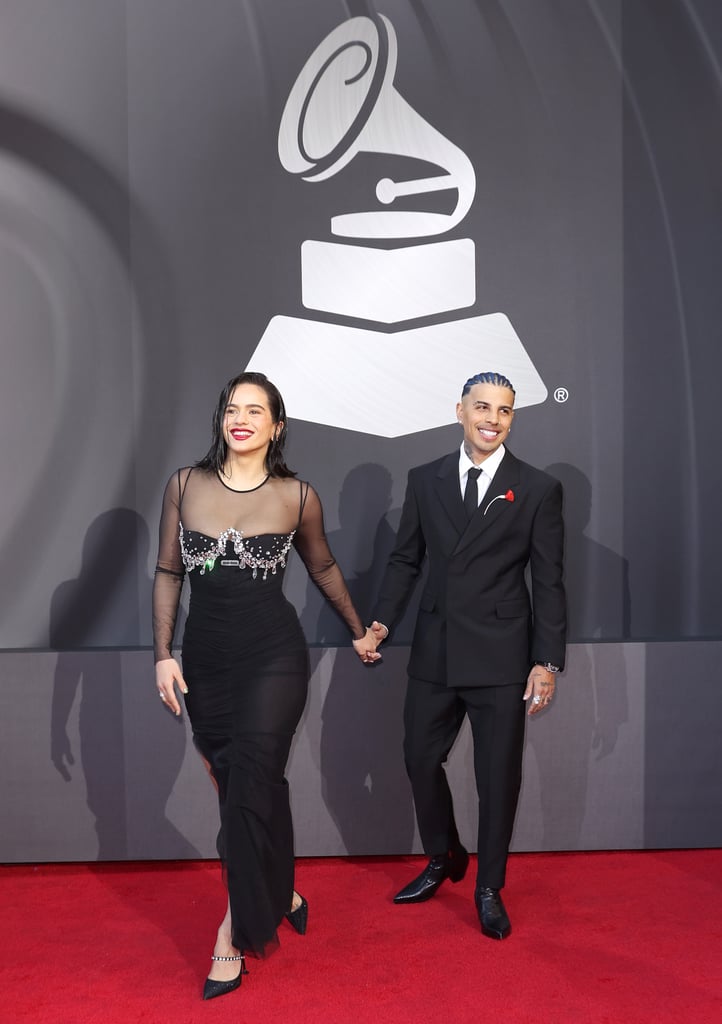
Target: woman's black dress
pixel 245 661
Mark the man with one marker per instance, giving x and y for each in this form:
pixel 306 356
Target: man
pixel 482 644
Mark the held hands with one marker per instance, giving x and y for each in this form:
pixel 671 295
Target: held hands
pixel 167 676
pixel 540 686
pixel 366 646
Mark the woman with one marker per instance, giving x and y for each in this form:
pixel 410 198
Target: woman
pixel 230 521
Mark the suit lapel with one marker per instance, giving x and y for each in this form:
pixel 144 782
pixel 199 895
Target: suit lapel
pixel 448 490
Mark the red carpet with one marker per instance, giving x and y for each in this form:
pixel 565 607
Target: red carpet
pixel 598 937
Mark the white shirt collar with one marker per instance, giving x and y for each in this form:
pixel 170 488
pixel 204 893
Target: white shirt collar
pixel 488 467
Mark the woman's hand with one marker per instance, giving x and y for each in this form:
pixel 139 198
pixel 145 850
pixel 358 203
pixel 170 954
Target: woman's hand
pixel 366 647
pixel 167 676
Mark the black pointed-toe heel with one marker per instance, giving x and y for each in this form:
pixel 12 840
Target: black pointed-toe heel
pixel 298 918
pixel 212 988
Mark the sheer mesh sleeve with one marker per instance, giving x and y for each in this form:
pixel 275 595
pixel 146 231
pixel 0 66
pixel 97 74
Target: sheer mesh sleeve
pixel 311 544
pixel 169 572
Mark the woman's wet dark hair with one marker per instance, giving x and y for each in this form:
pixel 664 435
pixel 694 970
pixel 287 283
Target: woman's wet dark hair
pixel 215 457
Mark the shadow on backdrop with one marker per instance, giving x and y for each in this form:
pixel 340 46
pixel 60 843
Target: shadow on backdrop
pixel 128 779
pixel 109 202
pixel 594 703
pixel 363 776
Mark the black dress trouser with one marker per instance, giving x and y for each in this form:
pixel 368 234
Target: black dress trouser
pixel 433 715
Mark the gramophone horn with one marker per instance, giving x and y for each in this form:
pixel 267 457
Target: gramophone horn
pixel 344 101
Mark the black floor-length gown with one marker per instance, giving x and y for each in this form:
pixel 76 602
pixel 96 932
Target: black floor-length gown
pixel 245 661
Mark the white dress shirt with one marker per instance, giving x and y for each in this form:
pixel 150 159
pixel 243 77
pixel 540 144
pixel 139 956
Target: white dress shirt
pixel 488 468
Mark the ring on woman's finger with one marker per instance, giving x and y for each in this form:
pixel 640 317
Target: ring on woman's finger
pixel 161 694
pixel 536 699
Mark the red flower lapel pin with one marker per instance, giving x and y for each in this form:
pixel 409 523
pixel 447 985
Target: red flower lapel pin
pixel 509 496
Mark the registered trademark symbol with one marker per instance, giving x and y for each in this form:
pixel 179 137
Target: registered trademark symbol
pixel 561 395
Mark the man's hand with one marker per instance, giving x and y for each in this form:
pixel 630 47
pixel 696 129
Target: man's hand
pixel 379 631
pixel 540 686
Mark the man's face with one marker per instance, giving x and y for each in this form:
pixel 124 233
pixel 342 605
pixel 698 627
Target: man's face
pixel 485 413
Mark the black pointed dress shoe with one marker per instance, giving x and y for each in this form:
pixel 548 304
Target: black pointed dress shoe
pixel 451 865
pixel 493 918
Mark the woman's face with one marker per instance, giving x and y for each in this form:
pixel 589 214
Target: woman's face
pixel 247 422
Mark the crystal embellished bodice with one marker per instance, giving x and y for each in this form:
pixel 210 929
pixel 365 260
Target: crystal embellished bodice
pixel 264 554
pixel 211 531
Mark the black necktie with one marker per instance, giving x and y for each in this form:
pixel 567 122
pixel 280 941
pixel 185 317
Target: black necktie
pixel 471 494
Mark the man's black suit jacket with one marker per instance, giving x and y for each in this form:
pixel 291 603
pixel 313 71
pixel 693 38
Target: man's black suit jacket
pixel 478 624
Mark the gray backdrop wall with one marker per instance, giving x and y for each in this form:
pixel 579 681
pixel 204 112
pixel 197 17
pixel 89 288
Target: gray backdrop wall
pixel 149 234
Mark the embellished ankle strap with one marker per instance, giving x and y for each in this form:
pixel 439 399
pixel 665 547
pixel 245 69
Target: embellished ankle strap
pixel 227 959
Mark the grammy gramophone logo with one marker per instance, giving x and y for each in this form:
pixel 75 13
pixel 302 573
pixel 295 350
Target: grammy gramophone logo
pixel 380 378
